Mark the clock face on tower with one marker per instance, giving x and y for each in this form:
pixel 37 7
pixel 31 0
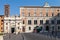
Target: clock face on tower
pixel 6 10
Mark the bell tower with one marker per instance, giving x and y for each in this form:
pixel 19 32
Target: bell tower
pixel 6 11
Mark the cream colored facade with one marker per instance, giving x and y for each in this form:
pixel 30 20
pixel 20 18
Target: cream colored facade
pixel 12 23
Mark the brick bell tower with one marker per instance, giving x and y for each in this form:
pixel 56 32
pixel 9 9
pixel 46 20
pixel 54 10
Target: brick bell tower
pixel 6 11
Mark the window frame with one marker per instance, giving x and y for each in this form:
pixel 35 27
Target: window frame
pixel 41 21
pixel 29 22
pixel 35 22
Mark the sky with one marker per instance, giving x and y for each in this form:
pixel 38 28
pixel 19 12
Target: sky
pixel 15 4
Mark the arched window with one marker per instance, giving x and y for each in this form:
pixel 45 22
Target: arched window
pixel 34 13
pixel 18 27
pixel 29 28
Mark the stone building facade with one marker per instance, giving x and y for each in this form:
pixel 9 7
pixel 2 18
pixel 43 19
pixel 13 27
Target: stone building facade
pixel 47 17
pixel 12 24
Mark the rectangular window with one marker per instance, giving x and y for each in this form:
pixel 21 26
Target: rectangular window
pixel 34 13
pixel 58 27
pixel 23 22
pixel 41 21
pixel 28 9
pixel 58 21
pixel 46 14
pixel 35 21
pixel 29 28
pixel 58 14
pixel 2 20
pixel 6 23
pixel 52 14
pixel 22 13
pixel 35 9
pixel 18 23
pixel 28 14
pixel 18 27
pixel 40 13
pixel 52 21
pixel 29 22
pixel 47 21
pixel 52 27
